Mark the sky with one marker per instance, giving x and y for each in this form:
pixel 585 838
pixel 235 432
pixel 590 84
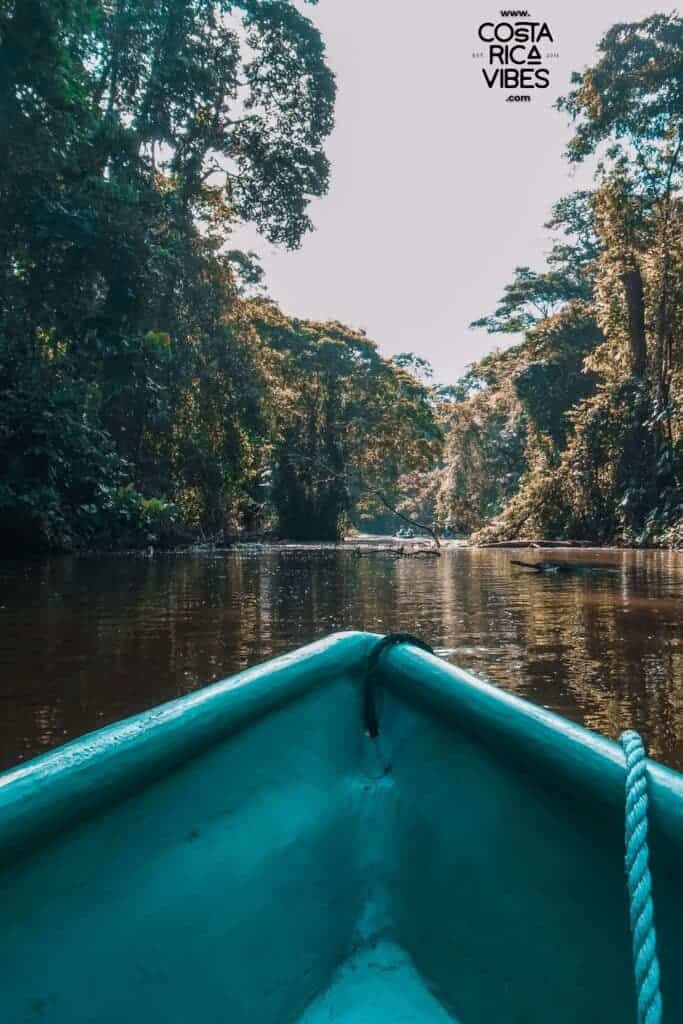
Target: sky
pixel 439 188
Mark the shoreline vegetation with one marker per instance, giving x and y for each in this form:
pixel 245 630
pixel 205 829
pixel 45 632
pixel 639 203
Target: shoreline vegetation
pixel 152 395
pixel 361 545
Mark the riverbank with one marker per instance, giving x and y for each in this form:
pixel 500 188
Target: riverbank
pixel 188 545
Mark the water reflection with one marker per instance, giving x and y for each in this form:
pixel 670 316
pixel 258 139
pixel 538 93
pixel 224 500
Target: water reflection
pixel 84 641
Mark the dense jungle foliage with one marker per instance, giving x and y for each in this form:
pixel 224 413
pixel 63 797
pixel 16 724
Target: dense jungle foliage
pixel 577 432
pixel 151 394
pixel 146 396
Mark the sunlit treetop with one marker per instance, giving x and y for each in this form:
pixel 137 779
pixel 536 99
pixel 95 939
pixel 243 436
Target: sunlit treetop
pixel 233 98
pixel 631 100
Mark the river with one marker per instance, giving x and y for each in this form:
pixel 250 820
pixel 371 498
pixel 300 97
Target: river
pixel 88 640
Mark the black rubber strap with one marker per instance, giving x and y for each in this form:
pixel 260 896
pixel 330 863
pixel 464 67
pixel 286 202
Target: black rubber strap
pixel 369 701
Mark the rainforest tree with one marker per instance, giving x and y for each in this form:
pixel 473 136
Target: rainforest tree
pixel 348 424
pixel 596 386
pixel 134 135
pixel 631 430
pixel 146 395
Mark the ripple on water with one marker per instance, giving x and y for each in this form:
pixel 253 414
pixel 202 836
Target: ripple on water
pixel 84 641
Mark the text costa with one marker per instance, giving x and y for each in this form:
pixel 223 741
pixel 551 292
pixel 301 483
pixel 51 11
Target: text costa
pixel 520 31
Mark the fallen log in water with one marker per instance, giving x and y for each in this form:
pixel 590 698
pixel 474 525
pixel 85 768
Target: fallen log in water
pixel 423 552
pixel 578 568
pixel 536 544
pixel 398 552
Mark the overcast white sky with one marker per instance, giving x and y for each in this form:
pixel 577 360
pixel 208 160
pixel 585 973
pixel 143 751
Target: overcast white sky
pixel 439 187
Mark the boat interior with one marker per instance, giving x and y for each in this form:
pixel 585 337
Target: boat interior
pixel 250 854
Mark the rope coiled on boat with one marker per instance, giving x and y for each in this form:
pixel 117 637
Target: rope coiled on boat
pixel 369 698
pixel 639 882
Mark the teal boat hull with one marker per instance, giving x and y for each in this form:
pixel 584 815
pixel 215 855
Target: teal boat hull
pixel 249 854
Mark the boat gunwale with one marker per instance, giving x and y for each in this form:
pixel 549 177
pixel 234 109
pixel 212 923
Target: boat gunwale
pixel 52 790
pixel 533 735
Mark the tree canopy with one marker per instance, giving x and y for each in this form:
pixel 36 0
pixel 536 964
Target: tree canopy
pixel 151 393
pixel 593 394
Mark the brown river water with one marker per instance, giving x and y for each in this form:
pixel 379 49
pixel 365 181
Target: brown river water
pixel 87 640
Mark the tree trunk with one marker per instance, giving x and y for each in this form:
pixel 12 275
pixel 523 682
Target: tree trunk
pixel 633 286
